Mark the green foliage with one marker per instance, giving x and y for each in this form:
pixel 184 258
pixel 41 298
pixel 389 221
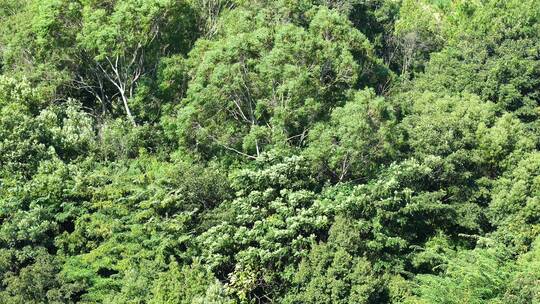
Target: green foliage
pixel 398 211
pixel 118 28
pixel 359 139
pixel 30 134
pixel 514 209
pixel 265 82
pixel 491 51
pixel 479 276
pixel 331 273
pixel 271 221
pixel 418 34
pixel 97 51
pixel 35 283
pixel 188 285
pixel 287 151
pixel 483 276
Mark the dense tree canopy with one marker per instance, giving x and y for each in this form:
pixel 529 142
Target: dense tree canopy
pixel 289 151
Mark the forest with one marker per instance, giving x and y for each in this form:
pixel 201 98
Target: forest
pixel 270 151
